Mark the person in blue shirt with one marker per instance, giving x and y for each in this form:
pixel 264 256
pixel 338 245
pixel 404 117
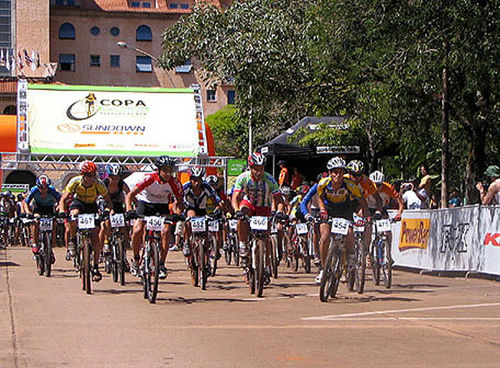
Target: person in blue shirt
pixel 45 198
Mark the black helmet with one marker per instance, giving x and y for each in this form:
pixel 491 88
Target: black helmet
pixel 164 161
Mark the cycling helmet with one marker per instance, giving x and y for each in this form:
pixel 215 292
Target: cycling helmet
pixel 197 172
pixel 164 161
pixel 356 167
pixel 88 167
pixel 303 189
pixel 377 177
pixel 212 180
pixel 256 159
pixel 336 163
pixel 113 169
pixel 20 197
pixel 282 162
pixel 285 191
pixel 42 180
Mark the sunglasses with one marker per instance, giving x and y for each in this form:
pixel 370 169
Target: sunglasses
pixel 90 175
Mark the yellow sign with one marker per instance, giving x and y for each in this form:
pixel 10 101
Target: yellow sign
pixel 414 234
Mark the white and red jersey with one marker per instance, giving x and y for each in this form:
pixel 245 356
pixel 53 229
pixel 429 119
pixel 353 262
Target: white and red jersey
pixel 155 190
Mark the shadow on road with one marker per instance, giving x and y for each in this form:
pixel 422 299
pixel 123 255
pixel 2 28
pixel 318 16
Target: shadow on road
pixel 203 300
pixel 8 264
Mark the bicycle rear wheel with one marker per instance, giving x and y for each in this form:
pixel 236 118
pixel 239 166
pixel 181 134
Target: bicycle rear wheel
pixel 331 273
pixel 202 272
pixel 360 267
pixel 114 260
pixel 375 264
pixel 259 269
pixel 40 264
pixel 235 247
pixel 213 254
pixel 304 249
pixel 122 257
pixel 86 278
pixel 47 239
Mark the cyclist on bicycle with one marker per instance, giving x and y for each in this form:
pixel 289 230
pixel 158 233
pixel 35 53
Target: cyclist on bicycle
pixel 339 197
pixel 45 198
pixel 197 194
pixel 117 189
pixel 85 189
pixel 154 193
pixel 255 192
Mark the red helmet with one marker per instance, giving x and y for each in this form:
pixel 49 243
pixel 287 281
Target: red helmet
pixel 88 167
pixel 304 189
pixel 256 159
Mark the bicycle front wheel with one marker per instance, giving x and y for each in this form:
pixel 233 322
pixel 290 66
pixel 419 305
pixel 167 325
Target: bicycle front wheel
pixel 155 277
pixel 202 272
pixel 47 239
pixel 387 266
pixel 375 265
pixel 121 258
pixel 360 267
pixel 331 273
pixel 259 269
pixel 274 256
pixel 213 256
pixel 85 268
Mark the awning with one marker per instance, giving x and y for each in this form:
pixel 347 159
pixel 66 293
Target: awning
pixel 8 133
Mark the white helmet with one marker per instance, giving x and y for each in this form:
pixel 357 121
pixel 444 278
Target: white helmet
pixel 336 163
pixel 377 177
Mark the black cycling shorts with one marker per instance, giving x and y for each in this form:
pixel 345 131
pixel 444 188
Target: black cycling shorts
pixel 152 209
pixel 84 207
pixel 197 211
pixel 44 211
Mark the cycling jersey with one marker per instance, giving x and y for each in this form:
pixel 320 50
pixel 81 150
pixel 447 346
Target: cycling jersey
pixel 386 192
pixel 51 198
pixel 347 192
pixel 259 194
pixel 308 197
pixel 155 190
pixel 86 194
pixel 366 186
pixel 119 196
pixel 202 200
pixel 295 205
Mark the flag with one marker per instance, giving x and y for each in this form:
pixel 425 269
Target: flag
pixel 2 58
pixel 12 59
pixel 27 58
pixel 37 60
pixel 20 60
pixel 33 60
pixel 7 60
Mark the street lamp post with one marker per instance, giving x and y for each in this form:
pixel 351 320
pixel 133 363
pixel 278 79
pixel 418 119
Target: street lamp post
pixel 124 45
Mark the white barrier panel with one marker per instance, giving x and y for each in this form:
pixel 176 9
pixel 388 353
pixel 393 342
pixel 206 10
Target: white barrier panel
pixel 489 240
pixel 455 239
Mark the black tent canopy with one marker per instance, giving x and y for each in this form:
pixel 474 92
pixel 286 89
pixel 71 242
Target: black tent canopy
pixel 309 159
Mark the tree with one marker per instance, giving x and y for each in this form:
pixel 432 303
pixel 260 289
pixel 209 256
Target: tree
pixel 229 132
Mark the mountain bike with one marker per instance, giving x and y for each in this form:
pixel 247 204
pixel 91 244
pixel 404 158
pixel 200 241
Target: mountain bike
pixel 118 255
pixel 336 259
pixel 150 256
pixel 356 277
pixel 213 229
pixel 381 261
pixel 301 247
pixel 44 256
pixel 276 252
pixel 232 249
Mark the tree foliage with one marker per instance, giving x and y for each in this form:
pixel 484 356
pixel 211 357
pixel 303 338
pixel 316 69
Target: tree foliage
pixel 229 132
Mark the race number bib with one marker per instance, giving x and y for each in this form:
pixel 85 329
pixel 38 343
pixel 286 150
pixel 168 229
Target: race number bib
pixel 86 221
pixel 154 223
pixel 383 225
pixel 274 228
pixel 117 220
pixel 302 229
pixel 198 224
pixel 213 226
pixel 258 223
pixel 358 228
pixel 233 225
pixel 340 226
pixel 46 224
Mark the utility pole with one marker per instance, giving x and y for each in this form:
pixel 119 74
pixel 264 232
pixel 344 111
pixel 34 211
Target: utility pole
pixel 444 128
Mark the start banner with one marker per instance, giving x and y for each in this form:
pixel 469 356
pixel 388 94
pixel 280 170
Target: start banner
pixel 101 120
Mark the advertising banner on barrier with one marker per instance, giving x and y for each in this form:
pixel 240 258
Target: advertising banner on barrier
pixel 453 240
pixel 410 238
pixel 101 120
pixel 489 239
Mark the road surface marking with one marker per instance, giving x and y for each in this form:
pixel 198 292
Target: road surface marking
pixel 394 311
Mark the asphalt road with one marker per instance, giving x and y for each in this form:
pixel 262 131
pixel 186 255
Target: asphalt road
pixel 422 321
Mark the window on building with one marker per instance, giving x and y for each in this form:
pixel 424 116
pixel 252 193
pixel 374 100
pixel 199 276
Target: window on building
pixel 65 2
pixel 140 4
pixel 5 28
pixel 144 33
pixel 67 62
pixel 184 6
pixel 67 31
pixel 146 4
pixel 10 110
pixel 135 4
pixel 231 97
pixel 95 60
pixel 115 31
pixel 211 97
pixel 94 31
pixel 186 68
pixel 173 5
pixel 114 61
pixel 143 64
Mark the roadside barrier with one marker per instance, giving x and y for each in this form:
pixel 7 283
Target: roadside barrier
pixel 451 239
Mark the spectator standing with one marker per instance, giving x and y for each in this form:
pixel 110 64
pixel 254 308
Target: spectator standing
pixel 454 199
pixel 284 178
pixel 491 194
pixel 297 179
pixel 425 186
pixel 411 199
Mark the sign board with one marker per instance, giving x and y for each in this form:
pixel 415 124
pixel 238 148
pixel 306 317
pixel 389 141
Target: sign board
pixel 236 167
pixel 16 187
pixel 336 149
pixel 102 120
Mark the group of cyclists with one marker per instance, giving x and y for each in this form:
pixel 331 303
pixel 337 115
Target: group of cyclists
pixel 342 192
